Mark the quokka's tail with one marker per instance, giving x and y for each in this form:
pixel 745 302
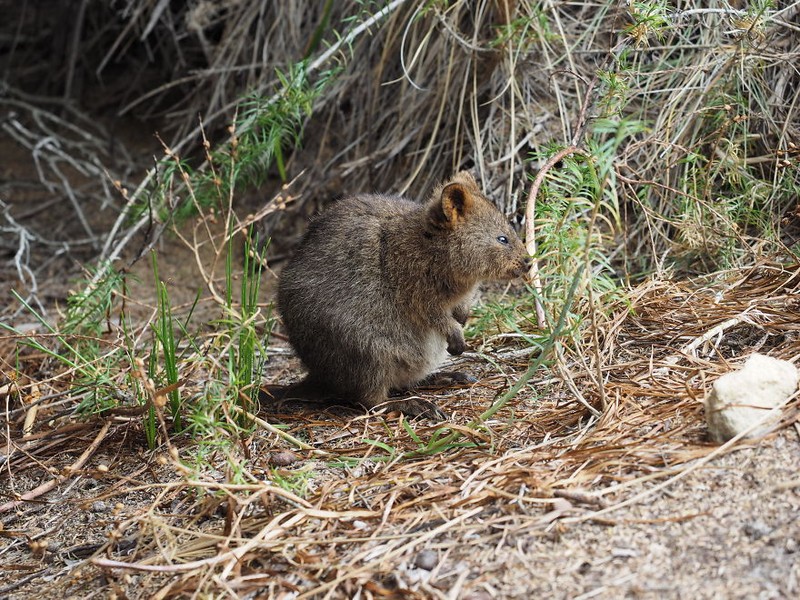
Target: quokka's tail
pixel 304 389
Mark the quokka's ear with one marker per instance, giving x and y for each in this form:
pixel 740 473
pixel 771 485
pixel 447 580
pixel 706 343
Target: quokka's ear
pixel 466 177
pixel 454 204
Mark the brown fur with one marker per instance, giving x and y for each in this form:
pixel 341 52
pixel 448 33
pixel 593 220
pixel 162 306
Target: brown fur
pixel 381 287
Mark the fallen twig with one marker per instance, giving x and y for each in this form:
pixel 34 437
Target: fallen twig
pixel 61 477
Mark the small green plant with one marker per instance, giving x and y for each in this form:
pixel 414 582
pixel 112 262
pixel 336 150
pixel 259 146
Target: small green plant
pixel 575 222
pixel 164 337
pixel 79 344
pixel 614 92
pixel 265 128
pixel 296 481
pixel 443 439
pixel 246 357
pixel 495 317
pixel 89 310
pixel 526 32
pixel 649 19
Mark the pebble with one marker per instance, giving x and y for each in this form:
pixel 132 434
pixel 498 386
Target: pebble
pixel 749 399
pixel 757 529
pixel 283 459
pixel 479 595
pixel 426 559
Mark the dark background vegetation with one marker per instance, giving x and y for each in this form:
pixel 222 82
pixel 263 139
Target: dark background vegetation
pixel 689 113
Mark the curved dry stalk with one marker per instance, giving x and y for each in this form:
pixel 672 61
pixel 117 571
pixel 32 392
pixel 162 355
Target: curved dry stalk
pixel 530 229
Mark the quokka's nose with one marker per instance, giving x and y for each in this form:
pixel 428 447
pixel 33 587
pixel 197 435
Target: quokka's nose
pixel 523 266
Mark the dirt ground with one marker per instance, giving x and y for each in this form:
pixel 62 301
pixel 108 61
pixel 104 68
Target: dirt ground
pixel 508 527
pixel 727 529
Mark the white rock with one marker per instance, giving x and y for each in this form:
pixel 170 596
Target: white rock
pixel 755 393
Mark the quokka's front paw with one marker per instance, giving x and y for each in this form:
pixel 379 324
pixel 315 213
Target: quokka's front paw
pixel 456 344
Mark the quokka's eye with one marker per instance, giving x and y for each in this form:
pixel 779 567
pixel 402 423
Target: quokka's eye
pixel 502 239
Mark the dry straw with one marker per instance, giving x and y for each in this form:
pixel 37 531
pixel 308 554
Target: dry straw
pixel 360 521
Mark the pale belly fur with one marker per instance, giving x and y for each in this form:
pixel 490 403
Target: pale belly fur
pixel 433 354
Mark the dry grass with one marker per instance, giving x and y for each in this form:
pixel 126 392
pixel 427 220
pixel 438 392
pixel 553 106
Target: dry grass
pixel 352 514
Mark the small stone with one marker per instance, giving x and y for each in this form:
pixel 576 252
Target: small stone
pixel 283 459
pixel 98 506
pixel 562 505
pixel 757 529
pixel 479 595
pixel 754 394
pixel 426 559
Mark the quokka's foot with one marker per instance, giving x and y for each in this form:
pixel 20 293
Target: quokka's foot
pixel 416 407
pixel 446 379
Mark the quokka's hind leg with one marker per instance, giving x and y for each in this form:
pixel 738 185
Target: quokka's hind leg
pixel 446 379
pixel 419 407
pixel 308 389
pixel 412 407
pixel 415 407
